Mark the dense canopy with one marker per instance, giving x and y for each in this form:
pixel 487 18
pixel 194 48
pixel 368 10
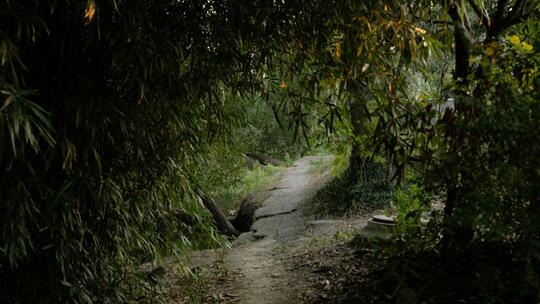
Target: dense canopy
pixel 112 112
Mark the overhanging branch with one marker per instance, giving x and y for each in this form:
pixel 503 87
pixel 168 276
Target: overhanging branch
pixel 484 18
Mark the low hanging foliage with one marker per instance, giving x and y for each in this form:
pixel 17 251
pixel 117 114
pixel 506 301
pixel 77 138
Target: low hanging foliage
pixel 468 135
pixel 105 106
pixel 471 137
pixel 109 110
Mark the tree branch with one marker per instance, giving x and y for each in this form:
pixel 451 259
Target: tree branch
pixel 497 25
pixel 501 21
pixel 445 22
pixel 462 45
pixel 521 10
pixel 484 18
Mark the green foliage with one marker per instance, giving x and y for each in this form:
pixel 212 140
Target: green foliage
pixel 373 188
pixel 408 268
pixel 113 114
pixel 321 166
pixel 339 196
pixel 480 150
pixel 267 132
pixel 340 164
pixel 472 139
pixel 477 153
pixel 105 108
pixel 226 172
pixel 487 273
pixel 410 203
pixel 253 180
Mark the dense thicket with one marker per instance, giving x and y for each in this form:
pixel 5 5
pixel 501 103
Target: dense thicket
pixel 467 134
pixel 108 116
pixel 105 108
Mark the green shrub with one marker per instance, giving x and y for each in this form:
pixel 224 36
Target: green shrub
pixel 340 196
pixel 373 188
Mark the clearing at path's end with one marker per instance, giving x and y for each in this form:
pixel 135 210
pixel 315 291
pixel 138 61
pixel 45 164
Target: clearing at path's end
pixel 263 276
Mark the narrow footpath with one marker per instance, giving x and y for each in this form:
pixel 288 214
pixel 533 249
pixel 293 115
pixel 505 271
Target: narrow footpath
pixel 255 256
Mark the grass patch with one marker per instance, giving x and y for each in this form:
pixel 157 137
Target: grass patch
pixel 320 166
pixel 341 197
pixel 255 179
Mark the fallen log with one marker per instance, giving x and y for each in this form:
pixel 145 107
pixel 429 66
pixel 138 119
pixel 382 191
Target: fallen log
pixel 246 213
pixel 264 159
pixel 222 222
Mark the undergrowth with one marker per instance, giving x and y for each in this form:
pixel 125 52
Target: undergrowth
pixel 320 166
pixel 399 271
pixel 200 283
pixel 409 269
pixel 255 179
pixel 340 196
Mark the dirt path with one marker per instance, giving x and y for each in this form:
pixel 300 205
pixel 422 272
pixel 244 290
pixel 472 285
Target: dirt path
pixel 284 259
pixel 263 278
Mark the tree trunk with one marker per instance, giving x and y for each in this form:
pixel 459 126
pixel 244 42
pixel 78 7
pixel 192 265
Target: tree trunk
pixel 355 159
pixel 358 115
pixel 222 222
pixel 462 45
pixel 457 236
